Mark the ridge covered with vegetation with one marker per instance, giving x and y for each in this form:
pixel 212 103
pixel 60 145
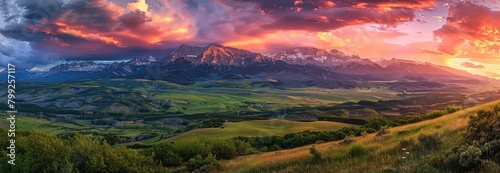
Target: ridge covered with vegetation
pixel 435 145
pixel 464 141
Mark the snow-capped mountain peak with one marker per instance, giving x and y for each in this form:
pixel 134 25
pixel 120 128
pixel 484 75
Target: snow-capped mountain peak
pixel 85 66
pixel 142 61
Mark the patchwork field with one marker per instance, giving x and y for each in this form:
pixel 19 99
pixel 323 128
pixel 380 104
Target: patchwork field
pixel 196 100
pixel 259 128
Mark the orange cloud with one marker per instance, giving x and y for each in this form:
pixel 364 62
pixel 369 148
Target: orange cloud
pixel 139 5
pixel 469 26
pixel 104 23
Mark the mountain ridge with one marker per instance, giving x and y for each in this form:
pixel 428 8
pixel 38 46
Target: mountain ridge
pixel 296 66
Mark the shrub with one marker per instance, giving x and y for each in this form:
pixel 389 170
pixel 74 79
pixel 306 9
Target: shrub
pixel 274 148
pixel 482 144
pixel 315 153
pixel 429 142
pixel 340 135
pixel 364 133
pixel 377 123
pixel 223 149
pixel 470 157
pixel 490 167
pixel 188 149
pixel 383 130
pixel 164 154
pixel 452 109
pixel 484 126
pixel 198 163
pixel 356 150
pixel 434 114
pixel 243 148
pixel 347 140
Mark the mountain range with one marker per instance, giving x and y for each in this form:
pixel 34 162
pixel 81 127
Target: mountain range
pixel 293 67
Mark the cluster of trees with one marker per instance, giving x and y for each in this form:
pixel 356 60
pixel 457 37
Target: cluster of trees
pixel 37 152
pixel 200 154
pixel 343 120
pixel 212 123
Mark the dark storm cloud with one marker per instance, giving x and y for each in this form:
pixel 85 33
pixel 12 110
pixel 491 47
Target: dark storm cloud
pixel 276 6
pixel 323 15
pixel 85 29
pixel 134 19
pixel 338 17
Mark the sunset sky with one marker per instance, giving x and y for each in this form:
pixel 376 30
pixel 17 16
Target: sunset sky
pixel 461 34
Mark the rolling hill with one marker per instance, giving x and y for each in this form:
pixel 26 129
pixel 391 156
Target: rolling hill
pixel 378 153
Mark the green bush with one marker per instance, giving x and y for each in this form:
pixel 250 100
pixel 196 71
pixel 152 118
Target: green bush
pixel 484 126
pixel 489 166
pixel 452 109
pixel 207 164
pixel 188 149
pixel 469 157
pixel 223 149
pixel 483 144
pixel 429 142
pixel 377 123
pixel 243 148
pixel 459 159
pixel 164 154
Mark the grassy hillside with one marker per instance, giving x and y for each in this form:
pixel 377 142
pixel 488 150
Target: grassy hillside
pixel 259 128
pixel 195 100
pixel 370 153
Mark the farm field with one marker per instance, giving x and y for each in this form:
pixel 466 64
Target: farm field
pixel 259 128
pixel 201 100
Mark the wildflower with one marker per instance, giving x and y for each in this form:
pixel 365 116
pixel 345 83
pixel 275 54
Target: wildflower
pixel 404 157
pixel 404 149
pixel 407 153
pixel 326 169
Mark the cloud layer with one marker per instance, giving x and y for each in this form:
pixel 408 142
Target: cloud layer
pixel 37 32
pixel 470 25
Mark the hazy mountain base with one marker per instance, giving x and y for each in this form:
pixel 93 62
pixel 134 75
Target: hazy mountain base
pixel 451 143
